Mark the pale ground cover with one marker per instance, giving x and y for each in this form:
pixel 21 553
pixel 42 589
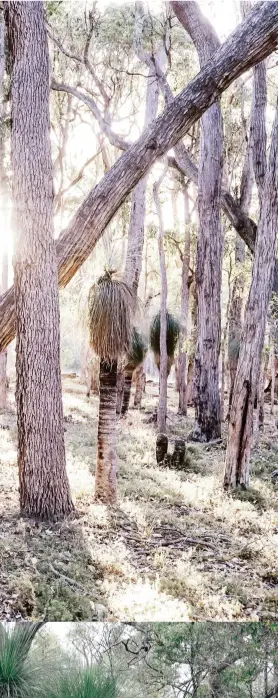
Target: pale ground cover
pixel 176 548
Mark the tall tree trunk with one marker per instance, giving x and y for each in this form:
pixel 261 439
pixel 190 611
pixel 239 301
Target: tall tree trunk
pixel 182 356
pixel 44 488
pixel 133 265
pixel 209 247
pixel 163 359
pixel 106 472
pixel 251 42
pixel 248 370
pixel 3 206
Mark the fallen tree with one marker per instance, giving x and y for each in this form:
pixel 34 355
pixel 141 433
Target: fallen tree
pixel 250 43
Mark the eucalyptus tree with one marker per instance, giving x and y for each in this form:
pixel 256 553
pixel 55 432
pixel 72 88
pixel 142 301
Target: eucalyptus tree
pixel 249 362
pixel 44 487
pixel 110 319
pixel 209 248
pixel 250 43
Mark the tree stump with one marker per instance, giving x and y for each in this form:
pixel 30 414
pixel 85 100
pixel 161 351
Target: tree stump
pixel 178 455
pixel 161 447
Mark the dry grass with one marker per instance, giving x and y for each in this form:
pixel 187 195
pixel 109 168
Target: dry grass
pixel 176 548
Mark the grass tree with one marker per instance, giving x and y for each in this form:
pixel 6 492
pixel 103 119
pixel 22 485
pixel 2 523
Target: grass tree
pixel 135 358
pixel 110 319
pixel 80 682
pixel 22 673
pixel 172 336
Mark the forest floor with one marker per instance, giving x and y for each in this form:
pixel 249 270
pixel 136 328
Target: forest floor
pixel 176 548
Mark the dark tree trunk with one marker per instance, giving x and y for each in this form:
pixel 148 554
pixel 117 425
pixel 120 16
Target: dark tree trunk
pixel 249 363
pixel 44 488
pixel 127 391
pixel 253 41
pixel 209 248
pixel 106 471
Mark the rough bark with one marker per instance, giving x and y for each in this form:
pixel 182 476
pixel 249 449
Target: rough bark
pixel 248 370
pixel 3 200
pixel 44 488
pixel 127 391
pixel 252 41
pixel 163 357
pixel 106 472
pixel 209 247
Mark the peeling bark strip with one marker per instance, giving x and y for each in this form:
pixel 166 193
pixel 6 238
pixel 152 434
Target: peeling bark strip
pixel 106 472
pixel 209 247
pixel 44 488
pixel 254 39
pixel 249 362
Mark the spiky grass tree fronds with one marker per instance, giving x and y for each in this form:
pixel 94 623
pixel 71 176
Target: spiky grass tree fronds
pixel 173 331
pixel 135 357
pixel 22 674
pixel 90 682
pixel 110 312
pixel 110 317
pixel 137 352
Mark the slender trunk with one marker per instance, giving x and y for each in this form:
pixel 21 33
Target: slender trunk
pixel 251 42
pixel 140 384
pixel 248 370
pixel 273 378
pixel 44 488
pixel 133 265
pixel 163 366
pixel 106 471
pixel 182 356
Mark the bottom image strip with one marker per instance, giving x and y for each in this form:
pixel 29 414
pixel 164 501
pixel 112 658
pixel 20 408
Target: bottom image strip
pixel 118 660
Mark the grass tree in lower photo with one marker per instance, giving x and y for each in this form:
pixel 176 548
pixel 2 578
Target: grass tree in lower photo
pixel 84 682
pixel 110 320
pixel 22 674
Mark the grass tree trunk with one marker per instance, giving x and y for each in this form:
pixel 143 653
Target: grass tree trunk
pixel 163 367
pixel 209 247
pixel 249 363
pixel 106 472
pixel 251 42
pixel 44 487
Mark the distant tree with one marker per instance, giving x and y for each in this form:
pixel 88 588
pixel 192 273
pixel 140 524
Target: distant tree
pixel 110 319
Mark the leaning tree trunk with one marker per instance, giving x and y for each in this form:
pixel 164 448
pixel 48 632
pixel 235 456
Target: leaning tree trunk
pixel 44 488
pixel 106 472
pixel 251 42
pixel 248 370
pixel 209 247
